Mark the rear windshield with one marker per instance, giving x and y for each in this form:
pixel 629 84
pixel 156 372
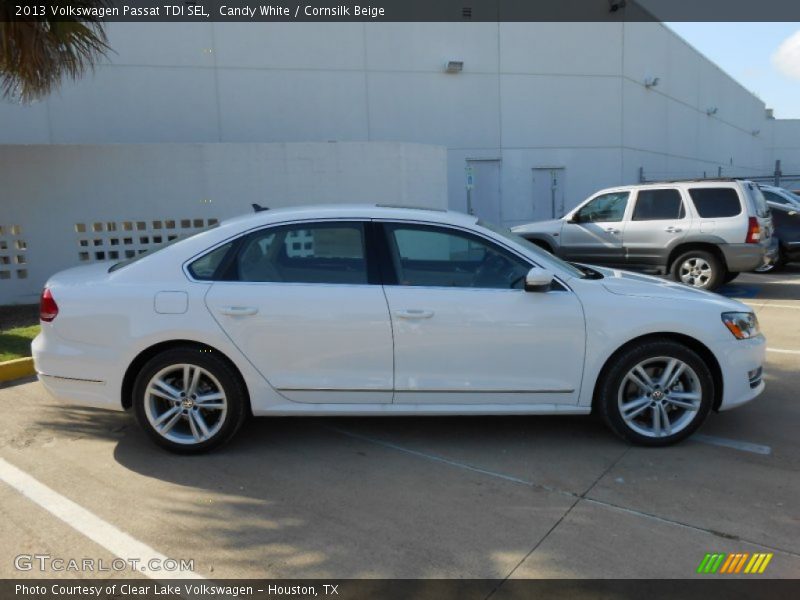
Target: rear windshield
pixel 762 208
pixel 713 203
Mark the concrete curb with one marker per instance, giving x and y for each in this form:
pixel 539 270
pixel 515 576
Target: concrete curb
pixel 16 369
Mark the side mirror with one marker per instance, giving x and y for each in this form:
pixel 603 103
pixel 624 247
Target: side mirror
pixel 538 280
pixel 574 218
pixel 792 213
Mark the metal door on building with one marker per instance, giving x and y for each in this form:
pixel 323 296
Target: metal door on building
pixel 483 200
pixel 548 193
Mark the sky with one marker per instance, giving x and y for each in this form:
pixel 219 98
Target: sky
pixel 764 57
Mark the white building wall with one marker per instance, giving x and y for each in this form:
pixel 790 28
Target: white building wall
pixel 65 205
pixel 568 95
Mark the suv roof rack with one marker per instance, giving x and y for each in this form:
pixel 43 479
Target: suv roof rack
pixel 695 180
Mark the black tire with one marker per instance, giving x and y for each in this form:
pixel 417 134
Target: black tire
pixel 730 276
pixel 215 372
pixel 698 257
pixel 614 389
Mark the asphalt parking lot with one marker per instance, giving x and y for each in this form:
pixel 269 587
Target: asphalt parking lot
pixel 500 497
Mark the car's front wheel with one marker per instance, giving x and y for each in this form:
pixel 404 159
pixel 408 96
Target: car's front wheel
pixel 656 394
pixel 189 400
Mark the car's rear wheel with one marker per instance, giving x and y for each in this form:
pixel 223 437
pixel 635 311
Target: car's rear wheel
pixel 656 394
pixel 699 269
pixel 189 400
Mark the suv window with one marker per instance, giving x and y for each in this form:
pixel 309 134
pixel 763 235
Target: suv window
pixel 713 203
pixel 658 205
pixel 304 253
pixel 441 257
pixel 608 208
pixel 777 198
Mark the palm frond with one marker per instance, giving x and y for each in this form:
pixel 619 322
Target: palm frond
pixel 36 55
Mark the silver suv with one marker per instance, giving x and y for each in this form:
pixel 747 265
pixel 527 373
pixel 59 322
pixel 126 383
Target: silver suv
pixel 702 233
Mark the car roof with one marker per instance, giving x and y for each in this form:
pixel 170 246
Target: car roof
pixel 351 211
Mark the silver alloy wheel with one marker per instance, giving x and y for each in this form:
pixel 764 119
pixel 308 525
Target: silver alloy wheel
pixel 695 271
pixel 659 396
pixel 185 404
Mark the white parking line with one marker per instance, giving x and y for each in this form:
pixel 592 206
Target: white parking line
pixel 735 444
pixel 119 543
pixel 753 304
pixel 783 351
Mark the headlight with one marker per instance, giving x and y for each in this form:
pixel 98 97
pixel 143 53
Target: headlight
pixel 743 325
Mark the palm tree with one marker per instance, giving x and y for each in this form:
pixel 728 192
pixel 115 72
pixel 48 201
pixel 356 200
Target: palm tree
pixel 36 54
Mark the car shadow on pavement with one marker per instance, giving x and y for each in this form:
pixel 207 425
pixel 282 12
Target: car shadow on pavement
pixel 781 285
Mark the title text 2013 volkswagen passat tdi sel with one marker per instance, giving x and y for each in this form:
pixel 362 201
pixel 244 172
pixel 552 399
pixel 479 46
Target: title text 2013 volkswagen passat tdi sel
pixel 373 310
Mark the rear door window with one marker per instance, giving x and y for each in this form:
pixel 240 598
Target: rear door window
pixel 713 203
pixel 658 205
pixel 332 253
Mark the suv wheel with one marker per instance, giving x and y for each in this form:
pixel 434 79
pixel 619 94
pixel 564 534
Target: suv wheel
pixel 656 394
pixel 189 401
pixel 699 269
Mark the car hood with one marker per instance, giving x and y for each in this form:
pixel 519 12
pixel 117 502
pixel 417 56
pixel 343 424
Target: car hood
pixel 551 226
pixel 626 283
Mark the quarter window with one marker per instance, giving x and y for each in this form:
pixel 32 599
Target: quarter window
pixel 205 267
pixel 440 257
pixel 608 208
pixel 658 205
pixel 714 203
pixel 308 253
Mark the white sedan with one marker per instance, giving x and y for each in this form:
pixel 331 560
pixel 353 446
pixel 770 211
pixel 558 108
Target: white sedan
pixel 375 310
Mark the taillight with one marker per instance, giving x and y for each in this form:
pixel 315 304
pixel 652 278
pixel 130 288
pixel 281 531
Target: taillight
pixel 48 309
pixel 753 231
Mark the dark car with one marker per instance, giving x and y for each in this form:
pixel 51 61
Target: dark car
pixel 785 207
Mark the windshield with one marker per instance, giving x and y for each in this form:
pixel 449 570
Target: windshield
pixel 793 197
pixel 521 241
pixel 153 250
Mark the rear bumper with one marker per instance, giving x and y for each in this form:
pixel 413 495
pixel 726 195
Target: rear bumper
pixel 75 373
pixel 747 257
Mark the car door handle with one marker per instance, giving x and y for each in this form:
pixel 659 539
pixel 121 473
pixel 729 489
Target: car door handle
pixel 612 230
pixel 672 229
pixel 238 311
pixel 413 313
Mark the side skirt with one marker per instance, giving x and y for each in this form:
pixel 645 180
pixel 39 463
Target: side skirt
pixel 377 410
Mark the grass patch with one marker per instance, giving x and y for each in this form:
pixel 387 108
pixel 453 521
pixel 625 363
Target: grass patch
pixel 16 342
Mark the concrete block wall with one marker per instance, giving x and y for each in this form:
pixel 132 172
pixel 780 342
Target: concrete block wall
pixel 65 205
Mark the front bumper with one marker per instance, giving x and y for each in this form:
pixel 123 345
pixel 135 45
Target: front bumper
pixel 741 362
